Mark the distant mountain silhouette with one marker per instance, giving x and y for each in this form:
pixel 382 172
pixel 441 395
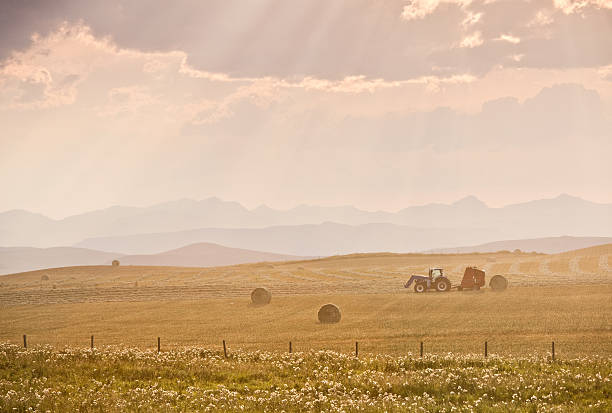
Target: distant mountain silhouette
pixel 19 259
pixel 205 254
pixel 313 240
pixel 554 245
pixel 563 215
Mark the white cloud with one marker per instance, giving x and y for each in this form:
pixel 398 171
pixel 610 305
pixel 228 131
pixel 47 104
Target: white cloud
pixel 542 18
pixel 471 19
pixel 128 100
pixel 473 40
pixel 606 72
pixel 419 9
pixel 508 38
pixel 573 6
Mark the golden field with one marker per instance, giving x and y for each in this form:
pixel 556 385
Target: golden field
pixel 565 297
pixel 519 321
pixel 347 274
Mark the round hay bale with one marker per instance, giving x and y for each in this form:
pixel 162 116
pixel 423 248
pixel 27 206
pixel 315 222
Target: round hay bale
pixel 115 263
pixel 329 313
pixel 498 283
pixel 261 296
pixel 44 277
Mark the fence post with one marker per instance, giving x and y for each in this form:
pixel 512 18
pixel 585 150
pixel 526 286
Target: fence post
pixel 25 341
pixel 92 344
pixel 421 349
pixel 224 349
pixel 158 344
pixel 356 349
pixel 486 350
pixel 290 349
pixel 553 351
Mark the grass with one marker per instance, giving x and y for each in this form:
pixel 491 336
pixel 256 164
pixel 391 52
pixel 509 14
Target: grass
pixel 126 379
pixel 518 321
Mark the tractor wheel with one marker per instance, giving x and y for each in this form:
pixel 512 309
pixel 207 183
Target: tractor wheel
pixel 443 285
pixel 419 288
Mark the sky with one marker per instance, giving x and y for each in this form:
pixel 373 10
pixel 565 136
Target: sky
pixel 377 104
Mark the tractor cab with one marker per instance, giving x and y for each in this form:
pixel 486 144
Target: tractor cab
pixel 435 273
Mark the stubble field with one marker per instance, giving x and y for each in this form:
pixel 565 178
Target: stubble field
pixel 565 298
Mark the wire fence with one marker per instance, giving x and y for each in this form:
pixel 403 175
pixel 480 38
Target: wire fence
pixel 357 347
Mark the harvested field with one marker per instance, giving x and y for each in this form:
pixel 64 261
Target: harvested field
pixel 350 274
pixel 518 321
pixel 202 306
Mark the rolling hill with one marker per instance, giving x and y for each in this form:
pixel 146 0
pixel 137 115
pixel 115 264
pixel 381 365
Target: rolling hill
pixel 19 259
pixel 205 254
pixel 550 245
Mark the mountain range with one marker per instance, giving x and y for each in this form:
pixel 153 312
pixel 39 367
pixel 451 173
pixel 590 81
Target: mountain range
pixel 307 230
pixel 314 240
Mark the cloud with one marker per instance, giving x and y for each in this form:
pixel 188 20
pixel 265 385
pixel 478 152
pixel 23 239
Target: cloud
pixel 606 72
pixel 149 125
pixel 508 38
pixel 471 19
pixel 392 40
pixel 418 9
pixel 557 114
pixel 472 40
pixel 31 86
pixel 542 18
pixel 574 6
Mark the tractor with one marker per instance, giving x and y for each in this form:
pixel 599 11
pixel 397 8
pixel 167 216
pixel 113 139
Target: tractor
pixel 435 280
pixel 473 279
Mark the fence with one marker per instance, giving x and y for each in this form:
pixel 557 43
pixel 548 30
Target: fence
pixel 225 350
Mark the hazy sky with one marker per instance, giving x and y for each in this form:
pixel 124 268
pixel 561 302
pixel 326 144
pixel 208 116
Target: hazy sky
pixel 379 104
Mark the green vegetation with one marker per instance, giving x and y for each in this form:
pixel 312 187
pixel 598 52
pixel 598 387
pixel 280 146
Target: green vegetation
pixel 119 379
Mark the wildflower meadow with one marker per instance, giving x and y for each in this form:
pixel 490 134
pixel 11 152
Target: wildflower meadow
pixel 112 379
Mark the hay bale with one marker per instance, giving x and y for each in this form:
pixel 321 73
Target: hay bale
pixel 329 313
pixel 261 296
pixel 498 283
pixel 115 263
pixel 44 277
